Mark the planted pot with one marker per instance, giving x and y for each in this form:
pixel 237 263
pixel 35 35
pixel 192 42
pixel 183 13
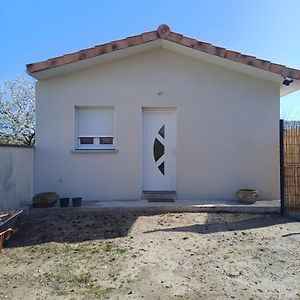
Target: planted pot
pixel 64 202
pixel 45 199
pixel 76 202
pixel 247 196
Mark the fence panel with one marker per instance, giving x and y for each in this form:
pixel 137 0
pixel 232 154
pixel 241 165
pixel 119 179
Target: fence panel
pixel 291 165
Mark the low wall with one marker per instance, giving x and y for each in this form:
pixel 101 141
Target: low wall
pixel 16 176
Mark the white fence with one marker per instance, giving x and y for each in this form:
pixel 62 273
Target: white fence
pixel 16 176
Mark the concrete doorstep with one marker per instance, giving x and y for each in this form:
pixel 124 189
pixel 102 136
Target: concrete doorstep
pixel 229 206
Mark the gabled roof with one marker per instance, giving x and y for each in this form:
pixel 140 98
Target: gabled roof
pixel 163 33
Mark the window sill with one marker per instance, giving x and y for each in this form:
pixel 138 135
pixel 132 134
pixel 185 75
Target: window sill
pixel 88 151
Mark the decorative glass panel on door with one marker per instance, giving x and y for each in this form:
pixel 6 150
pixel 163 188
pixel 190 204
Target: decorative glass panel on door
pixel 159 149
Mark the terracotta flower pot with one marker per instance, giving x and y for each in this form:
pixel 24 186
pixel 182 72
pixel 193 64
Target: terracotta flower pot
pixel 45 199
pixel 247 196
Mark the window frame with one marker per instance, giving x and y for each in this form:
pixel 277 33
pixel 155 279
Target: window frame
pixel 96 146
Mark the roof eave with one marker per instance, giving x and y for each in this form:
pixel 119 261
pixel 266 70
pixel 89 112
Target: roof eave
pixel 163 37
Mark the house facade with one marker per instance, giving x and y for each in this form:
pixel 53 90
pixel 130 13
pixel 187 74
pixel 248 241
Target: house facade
pixel 158 112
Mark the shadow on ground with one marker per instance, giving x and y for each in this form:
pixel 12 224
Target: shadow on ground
pixel 77 226
pixel 71 227
pixel 213 225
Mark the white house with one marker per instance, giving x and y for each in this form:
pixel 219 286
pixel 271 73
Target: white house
pixel 158 112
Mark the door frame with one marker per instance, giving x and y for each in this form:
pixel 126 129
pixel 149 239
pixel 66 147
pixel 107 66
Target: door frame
pixel 172 110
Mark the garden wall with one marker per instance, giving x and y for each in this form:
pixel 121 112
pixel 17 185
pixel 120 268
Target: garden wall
pixel 16 176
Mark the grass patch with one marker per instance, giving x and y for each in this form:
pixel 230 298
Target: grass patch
pixel 83 283
pixel 97 291
pixel 114 249
pixel 65 278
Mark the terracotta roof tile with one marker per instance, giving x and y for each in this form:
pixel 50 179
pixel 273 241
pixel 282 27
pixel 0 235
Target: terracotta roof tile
pixel 262 64
pixel 87 53
pixel 120 44
pixel 276 68
pixel 174 37
pixel 72 57
pixel 164 32
pixel 36 67
pixel 202 46
pixel 187 41
pixel 149 36
pixel 232 55
pixel 135 40
pixel 55 61
pixel 218 51
pixel 100 49
pixel 293 73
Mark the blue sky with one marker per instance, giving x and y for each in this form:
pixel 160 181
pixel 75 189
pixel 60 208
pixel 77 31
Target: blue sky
pixel 34 30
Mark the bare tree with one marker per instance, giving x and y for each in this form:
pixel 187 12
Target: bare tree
pixel 17 112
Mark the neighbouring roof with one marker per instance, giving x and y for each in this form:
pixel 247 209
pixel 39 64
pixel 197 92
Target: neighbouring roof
pixel 163 33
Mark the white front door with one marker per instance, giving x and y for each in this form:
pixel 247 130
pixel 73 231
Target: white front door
pixel 158 150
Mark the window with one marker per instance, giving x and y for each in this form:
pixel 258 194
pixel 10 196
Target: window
pixel 95 128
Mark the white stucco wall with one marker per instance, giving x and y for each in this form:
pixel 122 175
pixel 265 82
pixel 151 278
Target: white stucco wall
pixel 16 174
pixel 227 128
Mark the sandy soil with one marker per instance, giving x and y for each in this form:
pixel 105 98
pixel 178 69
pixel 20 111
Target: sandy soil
pixel 135 255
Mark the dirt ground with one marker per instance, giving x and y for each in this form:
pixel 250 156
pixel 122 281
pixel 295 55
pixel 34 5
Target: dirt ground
pixel 135 255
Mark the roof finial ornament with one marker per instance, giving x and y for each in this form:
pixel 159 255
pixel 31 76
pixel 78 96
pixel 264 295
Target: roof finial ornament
pixel 163 31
